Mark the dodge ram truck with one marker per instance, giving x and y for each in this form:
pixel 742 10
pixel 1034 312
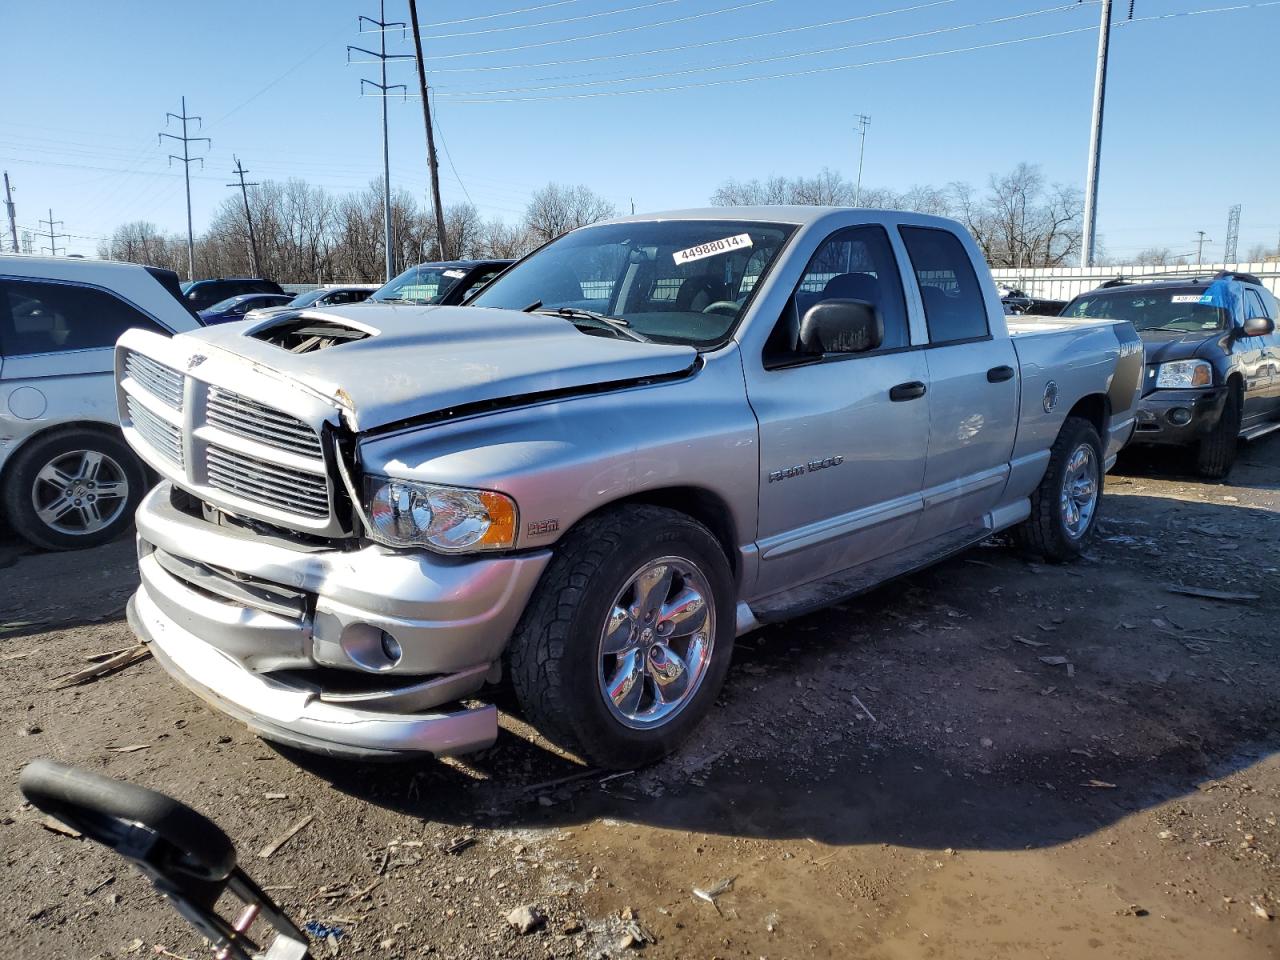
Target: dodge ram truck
pixel 643 440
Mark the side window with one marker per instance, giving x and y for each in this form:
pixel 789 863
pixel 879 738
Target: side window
pixel 481 280
pixel 1254 306
pixel 38 317
pixel 953 305
pixel 852 264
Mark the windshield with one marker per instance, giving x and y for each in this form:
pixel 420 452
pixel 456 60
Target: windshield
pixel 1175 309
pixel 222 306
pixel 187 285
pixel 421 284
pixel 676 281
pixel 309 298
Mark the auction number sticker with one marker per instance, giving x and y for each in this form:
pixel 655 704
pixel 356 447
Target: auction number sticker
pixel 704 250
pixel 1193 298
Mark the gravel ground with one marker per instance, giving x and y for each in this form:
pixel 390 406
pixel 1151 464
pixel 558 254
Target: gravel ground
pixel 902 776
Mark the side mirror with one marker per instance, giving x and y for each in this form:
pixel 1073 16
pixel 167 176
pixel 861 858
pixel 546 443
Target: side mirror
pixel 1259 327
pixel 841 326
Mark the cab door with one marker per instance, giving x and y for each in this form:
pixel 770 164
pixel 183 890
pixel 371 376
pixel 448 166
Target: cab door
pixel 973 387
pixel 842 436
pixel 1262 402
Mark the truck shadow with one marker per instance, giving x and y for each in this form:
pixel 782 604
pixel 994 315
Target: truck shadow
pixel 976 741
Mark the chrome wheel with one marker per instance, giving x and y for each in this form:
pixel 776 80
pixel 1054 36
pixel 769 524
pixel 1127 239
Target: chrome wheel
pixel 656 643
pixel 80 492
pixel 1080 485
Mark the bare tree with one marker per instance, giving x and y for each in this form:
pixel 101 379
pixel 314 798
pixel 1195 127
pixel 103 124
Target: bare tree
pixel 557 209
pixel 504 241
pixel 1154 257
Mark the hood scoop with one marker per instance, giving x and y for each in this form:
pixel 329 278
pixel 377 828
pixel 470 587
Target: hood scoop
pixel 303 334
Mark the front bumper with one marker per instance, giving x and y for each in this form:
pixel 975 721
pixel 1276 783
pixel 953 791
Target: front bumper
pixel 1178 417
pixel 290 639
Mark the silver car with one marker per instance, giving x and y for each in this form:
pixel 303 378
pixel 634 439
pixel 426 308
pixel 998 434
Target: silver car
pixel 67 478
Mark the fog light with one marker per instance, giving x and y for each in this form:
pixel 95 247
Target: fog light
pixel 391 648
pixel 1179 416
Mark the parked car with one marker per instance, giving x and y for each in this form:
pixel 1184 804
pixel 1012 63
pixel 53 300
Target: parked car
pixel 644 439
pixel 333 296
pixel 67 478
pixel 235 308
pixel 1016 303
pixel 1212 360
pixel 203 294
pixel 446 283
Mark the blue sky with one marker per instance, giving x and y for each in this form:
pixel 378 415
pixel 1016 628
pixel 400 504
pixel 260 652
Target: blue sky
pixel 1190 126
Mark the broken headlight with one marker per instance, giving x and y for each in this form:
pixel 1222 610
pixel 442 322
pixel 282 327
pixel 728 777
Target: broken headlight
pixel 408 513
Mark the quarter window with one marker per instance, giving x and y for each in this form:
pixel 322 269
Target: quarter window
pixel 954 308
pixel 852 264
pixel 37 317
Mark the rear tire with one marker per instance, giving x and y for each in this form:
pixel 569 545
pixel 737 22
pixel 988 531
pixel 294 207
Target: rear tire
pixel 1064 515
pixel 604 622
pixel 73 489
pixel 1216 453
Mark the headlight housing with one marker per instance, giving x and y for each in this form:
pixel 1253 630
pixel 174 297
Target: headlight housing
pixel 408 513
pixel 1185 374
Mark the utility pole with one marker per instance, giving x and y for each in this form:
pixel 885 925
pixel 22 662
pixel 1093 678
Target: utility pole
pixel 240 171
pixel 1090 231
pixel 382 56
pixel 13 217
pixel 863 122
pixel 1233 235
pixel 187 160
pixel 1200 247
pixel 52 235
pixel 432 165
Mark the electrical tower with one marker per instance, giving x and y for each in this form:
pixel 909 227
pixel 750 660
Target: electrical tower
pixel 1233 234
pixel 863 122
pixel 13 217
pixel 240 171
pixel 382 57
pixel 186 160
pixel 53 236
pixel 27 244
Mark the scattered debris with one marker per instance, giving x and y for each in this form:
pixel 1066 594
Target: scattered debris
pixel 275 796
pixel 1259 910
pixel 1211 594
pixel 57 826
pixel 323 931
pixel 288 835
pixel 1099 785
pixel 634 936
pixel 526 919
pixel 863 707
pixel 132 748
pixel 1029 643
pixel 458 844
pixel 712 893
pixel 113 663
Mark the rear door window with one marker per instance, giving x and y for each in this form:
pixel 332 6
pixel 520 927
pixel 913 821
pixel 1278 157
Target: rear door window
pixel 45 317
pixel 954 307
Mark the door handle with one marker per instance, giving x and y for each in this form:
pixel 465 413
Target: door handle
pixel 999 374
pixel 913 390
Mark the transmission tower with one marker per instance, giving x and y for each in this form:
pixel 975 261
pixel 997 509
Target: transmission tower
pixel 53 236
pixel 382 57
pixel 240 171
pixel 186 159
pixel 1233 234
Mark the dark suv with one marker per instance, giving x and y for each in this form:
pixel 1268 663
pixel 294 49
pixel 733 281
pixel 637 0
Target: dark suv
pixel 1212 360
pixel 202 294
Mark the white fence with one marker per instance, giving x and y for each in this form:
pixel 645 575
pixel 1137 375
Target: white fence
pixel 1063 283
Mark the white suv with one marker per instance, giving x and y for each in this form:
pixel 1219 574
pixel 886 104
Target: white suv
pixel 67 478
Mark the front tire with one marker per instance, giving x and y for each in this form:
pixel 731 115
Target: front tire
pixel 1216 454
pixel 73 489
pixel 1064 508
pixel 626 642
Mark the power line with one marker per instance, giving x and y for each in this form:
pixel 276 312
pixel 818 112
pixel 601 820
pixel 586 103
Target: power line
pixel 465 98
pixel 507 13
pixel 719 41
pixel 795 55
pixel 382 57
pixel 558 21
pixel 239 172
pixel 53 236
pixel 187 160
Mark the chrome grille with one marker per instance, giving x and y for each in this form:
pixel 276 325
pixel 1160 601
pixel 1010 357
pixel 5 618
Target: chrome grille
pixel 164 436
pixel 283 488
pixel 159 380
pixel 238 414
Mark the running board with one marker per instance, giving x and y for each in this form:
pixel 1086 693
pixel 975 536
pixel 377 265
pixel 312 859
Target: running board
pixel 1260 431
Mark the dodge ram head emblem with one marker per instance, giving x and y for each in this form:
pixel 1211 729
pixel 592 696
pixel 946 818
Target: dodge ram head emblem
pixel 195 360
pixel 1050 396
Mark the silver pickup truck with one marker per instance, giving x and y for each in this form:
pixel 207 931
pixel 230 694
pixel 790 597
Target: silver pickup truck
pixel 643 440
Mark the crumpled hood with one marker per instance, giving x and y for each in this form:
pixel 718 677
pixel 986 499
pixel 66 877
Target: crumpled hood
pixel 1161 346
pixel 415 360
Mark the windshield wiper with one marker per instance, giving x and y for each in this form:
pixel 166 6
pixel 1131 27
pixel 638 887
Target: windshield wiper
pixel 605 322
pixel 1168 329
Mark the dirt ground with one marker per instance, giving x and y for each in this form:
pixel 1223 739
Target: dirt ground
pixel 903 776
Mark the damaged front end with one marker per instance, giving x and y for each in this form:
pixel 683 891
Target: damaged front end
pixel 260 590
